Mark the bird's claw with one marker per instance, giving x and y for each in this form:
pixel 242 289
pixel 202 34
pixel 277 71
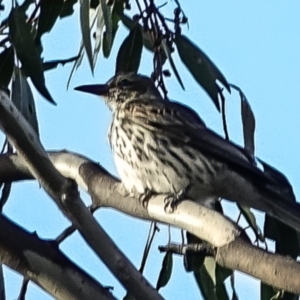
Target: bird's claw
pixel 145 197
pixel 173 200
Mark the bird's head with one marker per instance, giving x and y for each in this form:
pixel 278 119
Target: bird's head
pixel 122 88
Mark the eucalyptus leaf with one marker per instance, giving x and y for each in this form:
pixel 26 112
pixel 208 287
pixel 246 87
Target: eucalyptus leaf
pixel 248 121
pixel 108 33
pixel 130 24
pixel 23 42
pixel 85 30
pixel 201 67
pixel 130 52
pixel 77 63
pixel 99 32
pixel 210 279
pixel 5 193
pixel 166 271
pixel 6 66
pixel 68 8
pixel 24 6
pixel 251 220
pixel 172 64
pixel 94 4
pixel 22 97
pixel 50 10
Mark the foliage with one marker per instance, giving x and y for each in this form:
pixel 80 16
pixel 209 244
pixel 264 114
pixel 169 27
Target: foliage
pixel 21 58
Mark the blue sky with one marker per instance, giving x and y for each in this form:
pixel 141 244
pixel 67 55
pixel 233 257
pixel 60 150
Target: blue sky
pixel 256 46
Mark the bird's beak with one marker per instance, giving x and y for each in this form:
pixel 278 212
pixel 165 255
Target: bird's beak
pixel 96 89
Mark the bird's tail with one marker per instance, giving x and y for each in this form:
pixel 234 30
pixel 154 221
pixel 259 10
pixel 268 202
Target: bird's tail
pixel 274 195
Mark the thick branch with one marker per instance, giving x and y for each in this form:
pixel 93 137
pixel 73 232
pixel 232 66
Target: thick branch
pixel 274 269
pixel 65 194
pixel 43 263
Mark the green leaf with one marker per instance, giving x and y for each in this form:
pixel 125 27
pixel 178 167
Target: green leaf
pixel 248 121
pixel 99 31
pixel 166 271
pixel 117 11
pixel 108 34
pixel 77 63
pixel 201 67
pixel 85 30
pixel 24 6
pixel 67 9
pixel 6 66
pixel 147 41
pixel 251 220
pixel 130 52
pixel 94 3
pixel 26 50
pixel 285 237
pixel 193 261
pixel 210 279
pixel 5 193
pixel 172 64
pixel 50 10
pixel 130 24
pixel 22 97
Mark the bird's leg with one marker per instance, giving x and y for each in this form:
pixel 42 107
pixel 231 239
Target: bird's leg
pixel 145 197
pixel 175 198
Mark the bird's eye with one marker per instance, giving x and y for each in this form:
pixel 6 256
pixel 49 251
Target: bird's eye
pixel 125 83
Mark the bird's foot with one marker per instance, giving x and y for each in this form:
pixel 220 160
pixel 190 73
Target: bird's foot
pixel 145 197
pixel 173 200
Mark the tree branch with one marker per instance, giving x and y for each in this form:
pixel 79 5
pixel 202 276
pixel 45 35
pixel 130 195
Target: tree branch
pixel 43 263
pixel 276 270
pixel 65 194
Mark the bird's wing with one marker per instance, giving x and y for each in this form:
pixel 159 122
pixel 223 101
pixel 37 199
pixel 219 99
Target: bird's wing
pixel 183 125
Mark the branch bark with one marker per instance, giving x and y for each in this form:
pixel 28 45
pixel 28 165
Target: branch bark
pixel 43 263
pixel 277 270
pixel 65 194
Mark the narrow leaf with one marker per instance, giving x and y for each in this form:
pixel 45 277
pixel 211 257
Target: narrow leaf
pixel 5 193
pixel 201 67
pixel 50 10
pixel 108 34
pixel 166 271
pixel 77 63
pixel 193 261
pixel 99 32
pixel 94 4
pixel 172 64
pixel 85 30
pixel 67 9
pixel 130 52
pixel 24 45
pixel 248 121
pixel 24 6
pixel 147 41
pixel 117 11
pixel 251 220
pixel 210 279
pixel 130 24
pixel 22 97
pixel 6 66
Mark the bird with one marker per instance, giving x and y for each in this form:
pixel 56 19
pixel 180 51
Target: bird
pixel 164 147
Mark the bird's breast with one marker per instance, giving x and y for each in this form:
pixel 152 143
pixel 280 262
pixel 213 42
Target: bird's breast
pixel 149 161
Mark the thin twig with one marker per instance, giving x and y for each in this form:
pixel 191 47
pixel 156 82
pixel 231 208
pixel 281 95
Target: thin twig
pixel 23 289
pixel 66 233
pixel 152 231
